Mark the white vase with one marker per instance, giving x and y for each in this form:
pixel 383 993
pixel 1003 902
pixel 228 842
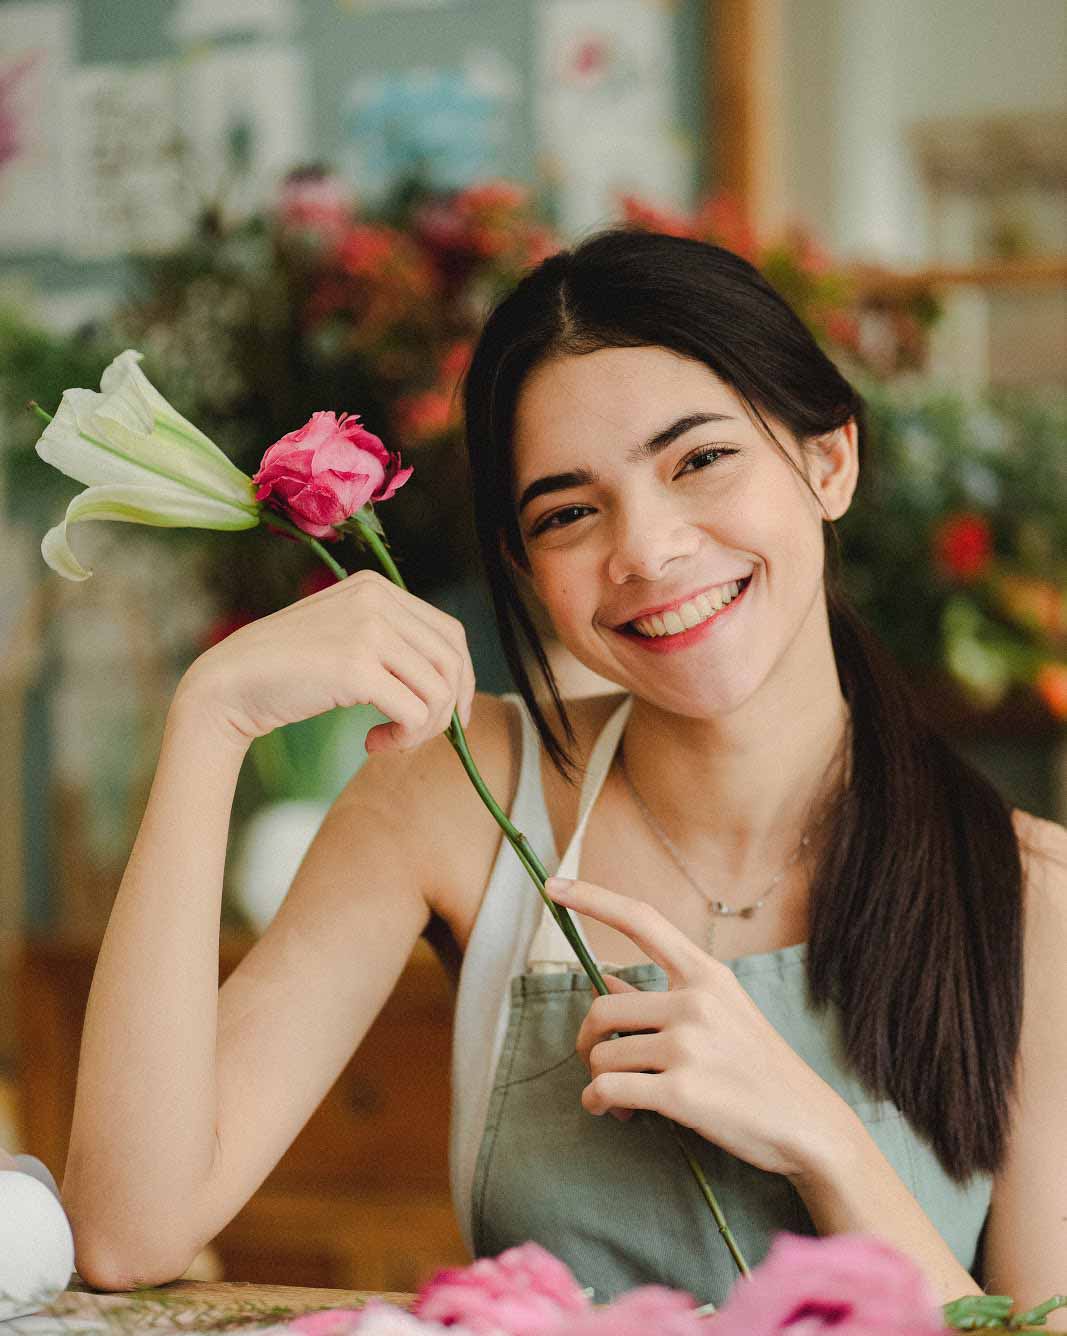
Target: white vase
pixel 269 851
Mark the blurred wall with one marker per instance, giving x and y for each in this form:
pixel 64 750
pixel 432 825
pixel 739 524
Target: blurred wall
pixel 494 45
pixel 860 75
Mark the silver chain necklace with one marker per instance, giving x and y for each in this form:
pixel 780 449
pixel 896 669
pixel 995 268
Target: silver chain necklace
pixel 715 907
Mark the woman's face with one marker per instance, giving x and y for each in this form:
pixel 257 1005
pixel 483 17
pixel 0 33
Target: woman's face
pixel 645 492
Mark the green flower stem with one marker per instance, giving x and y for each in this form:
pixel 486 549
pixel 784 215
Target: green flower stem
pixel 276 521
pixel 710 1198
pixel 526 855
pixel 518 841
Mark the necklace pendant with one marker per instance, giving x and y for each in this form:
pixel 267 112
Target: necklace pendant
pixel 748 911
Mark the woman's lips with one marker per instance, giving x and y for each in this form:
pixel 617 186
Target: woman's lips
pixel 683 639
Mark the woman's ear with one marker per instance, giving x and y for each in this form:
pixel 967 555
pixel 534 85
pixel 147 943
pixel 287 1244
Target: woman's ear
pixel 519 572
pixel 836 468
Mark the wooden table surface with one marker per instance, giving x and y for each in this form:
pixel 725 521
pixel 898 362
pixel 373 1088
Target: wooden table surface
pixel 186 1306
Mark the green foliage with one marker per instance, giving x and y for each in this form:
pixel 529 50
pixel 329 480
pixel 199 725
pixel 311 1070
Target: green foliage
pixel 934 461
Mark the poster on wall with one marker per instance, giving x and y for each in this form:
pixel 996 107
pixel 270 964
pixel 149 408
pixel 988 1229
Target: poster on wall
pixel 123 187
pixel 244 117
pixel 370 6
pixel 607 123
pixel 449 126
pixel 204 20
pixel 35 44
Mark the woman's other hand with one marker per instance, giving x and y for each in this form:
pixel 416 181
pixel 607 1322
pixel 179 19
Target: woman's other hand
pixel 702 1053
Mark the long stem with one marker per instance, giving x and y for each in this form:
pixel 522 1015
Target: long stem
pixel 526 855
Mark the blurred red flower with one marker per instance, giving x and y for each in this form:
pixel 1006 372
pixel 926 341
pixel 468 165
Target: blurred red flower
pixel 963 546
pixel 1051 686
pixel 422 416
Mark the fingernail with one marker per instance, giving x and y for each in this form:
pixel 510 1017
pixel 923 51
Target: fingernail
pixel 558 885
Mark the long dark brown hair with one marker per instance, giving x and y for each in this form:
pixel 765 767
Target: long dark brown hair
pixel 915 930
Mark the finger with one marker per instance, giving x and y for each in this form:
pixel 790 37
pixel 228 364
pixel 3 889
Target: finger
pixel 452 634
pixel 617 985
pixel 623 1013
pixel 452 662
pixel 407 711
pixel 628 1053
pixel 433 679
pixel 623 1090
pixel 660 940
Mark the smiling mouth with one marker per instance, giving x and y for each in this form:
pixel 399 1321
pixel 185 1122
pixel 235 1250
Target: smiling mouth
pixel 700 608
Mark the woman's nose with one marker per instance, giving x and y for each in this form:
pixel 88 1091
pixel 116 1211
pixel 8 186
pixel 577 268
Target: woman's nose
pixel 645 542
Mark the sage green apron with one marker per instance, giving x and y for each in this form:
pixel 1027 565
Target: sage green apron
pixel 616 1201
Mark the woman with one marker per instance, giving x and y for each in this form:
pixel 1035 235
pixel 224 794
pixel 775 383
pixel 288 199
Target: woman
pixel 658 447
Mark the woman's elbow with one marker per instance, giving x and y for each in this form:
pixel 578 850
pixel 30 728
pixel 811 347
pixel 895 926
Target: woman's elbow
pixel 116 1264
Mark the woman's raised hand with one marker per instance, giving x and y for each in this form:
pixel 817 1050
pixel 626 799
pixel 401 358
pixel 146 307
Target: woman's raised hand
pixel 702 1053
pixel 363 641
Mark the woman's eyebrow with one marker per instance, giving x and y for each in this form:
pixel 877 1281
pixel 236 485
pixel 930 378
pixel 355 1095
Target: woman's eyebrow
pixel 582 477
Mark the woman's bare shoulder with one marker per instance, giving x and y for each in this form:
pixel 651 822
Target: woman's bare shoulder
pixel 1043 847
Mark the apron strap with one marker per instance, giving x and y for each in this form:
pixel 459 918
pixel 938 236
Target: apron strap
pixel 549 944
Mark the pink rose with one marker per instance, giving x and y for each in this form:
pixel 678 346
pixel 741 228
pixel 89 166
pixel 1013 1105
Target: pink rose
pixel 852 1283
pixel 523 1292
pixel 320 475
pixel 651 1309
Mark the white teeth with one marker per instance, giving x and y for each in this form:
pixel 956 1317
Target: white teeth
pixel 690 613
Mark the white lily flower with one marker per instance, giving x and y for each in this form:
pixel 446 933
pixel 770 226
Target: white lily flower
pixel 142 463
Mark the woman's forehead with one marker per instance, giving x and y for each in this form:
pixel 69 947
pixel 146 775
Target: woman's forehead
pixel 614 395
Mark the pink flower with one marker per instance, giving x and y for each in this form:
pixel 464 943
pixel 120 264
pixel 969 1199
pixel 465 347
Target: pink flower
pixel 381 1319
pixel 523 1292
pixel 316 205
pixel 328 1322
pixel 320 475
pixel 852 1283
pixel 377 1319
pixel 639 1313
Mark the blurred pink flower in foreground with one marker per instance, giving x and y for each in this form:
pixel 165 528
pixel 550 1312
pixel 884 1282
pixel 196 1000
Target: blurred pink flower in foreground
pixel 850 1283
pixel 329 1322
pixel 326 470
pixel 652 1308
pixel 523 1292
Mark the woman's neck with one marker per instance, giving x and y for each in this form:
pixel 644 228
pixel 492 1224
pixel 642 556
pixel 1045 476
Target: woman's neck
pixel 739 792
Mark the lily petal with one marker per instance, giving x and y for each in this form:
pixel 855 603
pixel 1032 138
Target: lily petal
pixel 130 434
pixel 163 506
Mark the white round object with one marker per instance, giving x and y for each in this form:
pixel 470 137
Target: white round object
pixel 271 848
pixel 36 1245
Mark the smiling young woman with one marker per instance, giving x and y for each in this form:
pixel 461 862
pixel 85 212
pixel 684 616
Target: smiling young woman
pixel 648 421
pixel 659 449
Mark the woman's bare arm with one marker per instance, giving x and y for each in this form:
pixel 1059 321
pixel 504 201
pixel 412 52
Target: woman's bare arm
pixel 185 1103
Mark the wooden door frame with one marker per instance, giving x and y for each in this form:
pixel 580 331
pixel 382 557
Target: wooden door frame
pixel 744 72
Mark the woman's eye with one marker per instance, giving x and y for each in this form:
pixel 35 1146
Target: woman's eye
pixel 701 458
pixel 556 520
